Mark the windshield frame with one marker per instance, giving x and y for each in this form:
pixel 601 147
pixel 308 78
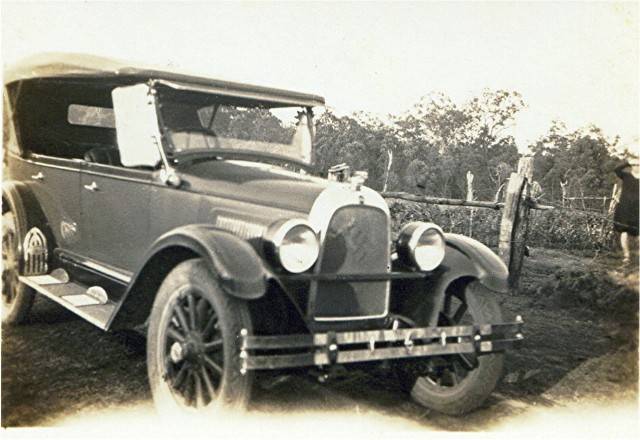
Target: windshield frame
pixel 242 154
pixel 186 157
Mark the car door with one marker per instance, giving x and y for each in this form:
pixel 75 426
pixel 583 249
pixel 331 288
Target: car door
pixel 115 213
pixel 55 183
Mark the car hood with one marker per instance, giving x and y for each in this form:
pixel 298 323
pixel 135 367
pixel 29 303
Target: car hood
pixel 254 182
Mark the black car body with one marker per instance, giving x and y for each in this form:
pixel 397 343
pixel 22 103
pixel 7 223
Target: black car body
pixel 101 224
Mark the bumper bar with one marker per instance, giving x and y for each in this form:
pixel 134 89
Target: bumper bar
pixel 358 278
pixel 287 351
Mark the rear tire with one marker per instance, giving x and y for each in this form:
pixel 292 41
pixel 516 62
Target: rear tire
pixel 454 384
pixel 193 345
pixel 17 298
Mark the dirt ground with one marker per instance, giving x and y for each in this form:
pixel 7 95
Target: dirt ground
pixel 57 365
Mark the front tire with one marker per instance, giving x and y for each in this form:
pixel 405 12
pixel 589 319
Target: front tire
pixel 458 384
pixel 193 346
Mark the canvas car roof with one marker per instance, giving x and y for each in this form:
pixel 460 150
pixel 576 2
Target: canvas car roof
pixel 118 73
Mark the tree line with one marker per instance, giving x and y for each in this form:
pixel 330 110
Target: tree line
pixel 430 148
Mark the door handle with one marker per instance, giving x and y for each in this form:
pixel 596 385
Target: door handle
pixel 38 176
pixel 93 187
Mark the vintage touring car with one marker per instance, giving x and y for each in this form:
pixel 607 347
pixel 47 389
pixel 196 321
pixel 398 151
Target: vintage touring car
pixel 188 208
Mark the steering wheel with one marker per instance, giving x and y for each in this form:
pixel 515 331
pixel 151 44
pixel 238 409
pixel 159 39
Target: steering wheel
pixel 209 132
pixel 206 132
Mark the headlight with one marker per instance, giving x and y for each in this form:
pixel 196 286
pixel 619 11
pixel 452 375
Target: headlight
pixel 292 244
pixel 421 245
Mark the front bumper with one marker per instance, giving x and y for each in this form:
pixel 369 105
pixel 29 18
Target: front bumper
pixel 319 349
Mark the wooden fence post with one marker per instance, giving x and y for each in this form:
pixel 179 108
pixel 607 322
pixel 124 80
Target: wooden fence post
pixel 564 191
pixel 515 220
pixel 615 198
pixel 470 199
pixel 387 171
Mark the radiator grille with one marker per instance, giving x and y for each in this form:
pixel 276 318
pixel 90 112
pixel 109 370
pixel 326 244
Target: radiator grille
pixel 356 242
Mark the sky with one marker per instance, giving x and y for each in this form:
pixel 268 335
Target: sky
pixel 574 62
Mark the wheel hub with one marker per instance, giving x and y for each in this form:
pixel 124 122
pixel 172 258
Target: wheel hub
pixel 191 349
pixel 176 353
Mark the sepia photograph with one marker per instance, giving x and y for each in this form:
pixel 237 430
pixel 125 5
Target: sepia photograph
pixel 311 218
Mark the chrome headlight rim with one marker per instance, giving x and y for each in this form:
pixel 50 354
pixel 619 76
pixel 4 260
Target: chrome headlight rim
pixel 275 238
pixel 409 239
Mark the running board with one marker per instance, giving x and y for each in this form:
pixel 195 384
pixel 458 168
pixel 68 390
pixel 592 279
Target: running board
pixel 81 300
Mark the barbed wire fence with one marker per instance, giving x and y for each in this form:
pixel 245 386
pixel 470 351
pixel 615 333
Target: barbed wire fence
pixel 591 235
pixel 519 222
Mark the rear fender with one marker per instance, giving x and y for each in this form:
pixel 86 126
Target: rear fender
pixel 18 198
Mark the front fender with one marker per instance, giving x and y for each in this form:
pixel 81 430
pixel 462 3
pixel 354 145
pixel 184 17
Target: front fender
pixel 469 256
pixel 233 261
pixel 465 260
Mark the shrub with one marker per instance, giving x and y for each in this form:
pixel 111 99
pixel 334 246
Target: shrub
pixel 556 229
pixel 571 230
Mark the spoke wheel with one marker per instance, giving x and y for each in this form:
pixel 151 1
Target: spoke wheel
pixel 17 298
pixel 456 384
pixel 193 353
pixel 9 259
pixel 451 371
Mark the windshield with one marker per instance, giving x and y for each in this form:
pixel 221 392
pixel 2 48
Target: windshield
pixel 208 124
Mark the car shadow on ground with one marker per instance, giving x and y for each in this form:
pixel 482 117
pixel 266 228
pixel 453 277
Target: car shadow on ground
pixel 58 365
